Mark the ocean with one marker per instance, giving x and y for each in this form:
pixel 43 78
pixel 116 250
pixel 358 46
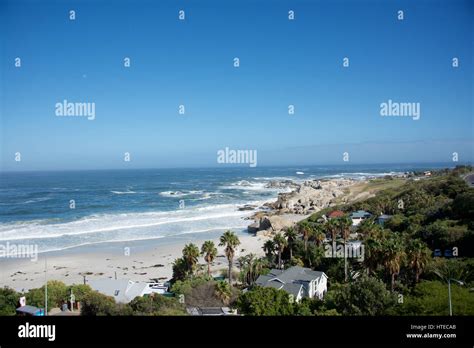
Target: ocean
pixel 60 210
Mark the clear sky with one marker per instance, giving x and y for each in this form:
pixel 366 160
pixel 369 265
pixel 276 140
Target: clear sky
pixel 190 62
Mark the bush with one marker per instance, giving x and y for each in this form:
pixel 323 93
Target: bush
pixel 96 304
pixel 8 301
pixel 184 287
pixel 57 295
pixel 265 301
pixel 431 298
pixel 156 305
pixel 201 292
pixel 463 206
pixel 366 296
pixel 80 291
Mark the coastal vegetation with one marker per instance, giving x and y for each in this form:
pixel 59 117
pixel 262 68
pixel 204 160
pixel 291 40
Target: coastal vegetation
pixel 399 274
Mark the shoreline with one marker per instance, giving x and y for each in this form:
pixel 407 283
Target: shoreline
pixel 141 263
pixel 151 259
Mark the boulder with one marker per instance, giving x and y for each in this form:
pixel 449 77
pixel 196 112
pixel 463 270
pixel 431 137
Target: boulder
pixel 247 207
pixel 253 228
pixel 275 223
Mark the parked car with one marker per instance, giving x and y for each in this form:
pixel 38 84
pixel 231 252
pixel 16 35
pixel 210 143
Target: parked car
pixel 448 253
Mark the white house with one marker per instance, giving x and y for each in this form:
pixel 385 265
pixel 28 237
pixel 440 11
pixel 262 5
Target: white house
pixel 298 281
pixel 125 290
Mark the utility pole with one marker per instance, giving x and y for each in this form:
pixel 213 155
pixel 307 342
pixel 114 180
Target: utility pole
pixel 449 294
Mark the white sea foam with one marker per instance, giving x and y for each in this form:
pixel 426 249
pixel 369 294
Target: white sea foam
pixel 360 176
pixel 126 226
pixel 135 239
pixel 207 195
pixel 246 186
pixel 36 200
pixel 180 193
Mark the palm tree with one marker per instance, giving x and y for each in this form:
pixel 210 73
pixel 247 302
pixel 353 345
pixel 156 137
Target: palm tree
pixel 209 251
pixel 373 254
pixel 258 266
pixel 305 230
pixel 345 224
pixel 333 228
pixel 223 291
pixel 190 255
pixel 290 235
pixel 393 254
pixel 367 228
pixel 418 257
pixel 446 269
pixel 269 248
pixel 318 234
pixel 180 269
pixel 246 264
pixel 280 243
pixel 230 241
pixel 314 255
pixel 250 268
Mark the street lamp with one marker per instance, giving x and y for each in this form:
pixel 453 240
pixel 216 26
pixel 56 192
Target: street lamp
pixel 449 293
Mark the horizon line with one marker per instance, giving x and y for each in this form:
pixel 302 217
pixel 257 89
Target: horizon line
pixel 241 166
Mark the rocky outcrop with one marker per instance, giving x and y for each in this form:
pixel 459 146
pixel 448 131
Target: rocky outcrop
pixel 305 198
pixel 281 184
pixel 275 223
pixel 311 196
pixel 268 225
pixel 247 207
pixel 254 228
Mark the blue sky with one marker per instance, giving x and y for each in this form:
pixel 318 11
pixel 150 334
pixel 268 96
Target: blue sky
pixel 191 62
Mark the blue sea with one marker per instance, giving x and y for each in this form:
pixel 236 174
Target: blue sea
pixel 149 204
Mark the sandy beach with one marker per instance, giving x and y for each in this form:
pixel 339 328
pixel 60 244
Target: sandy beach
pixel 155 262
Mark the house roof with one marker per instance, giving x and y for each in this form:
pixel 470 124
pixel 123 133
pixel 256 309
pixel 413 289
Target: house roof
pixel 263 280
pixel 298 273
pixel 335 214
pixel 291 280
pixel 293 289
pixel 384 217
pixel 274 284
pixel 32 310
pixel 275 272
pixel 122 290
pixel 360 214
